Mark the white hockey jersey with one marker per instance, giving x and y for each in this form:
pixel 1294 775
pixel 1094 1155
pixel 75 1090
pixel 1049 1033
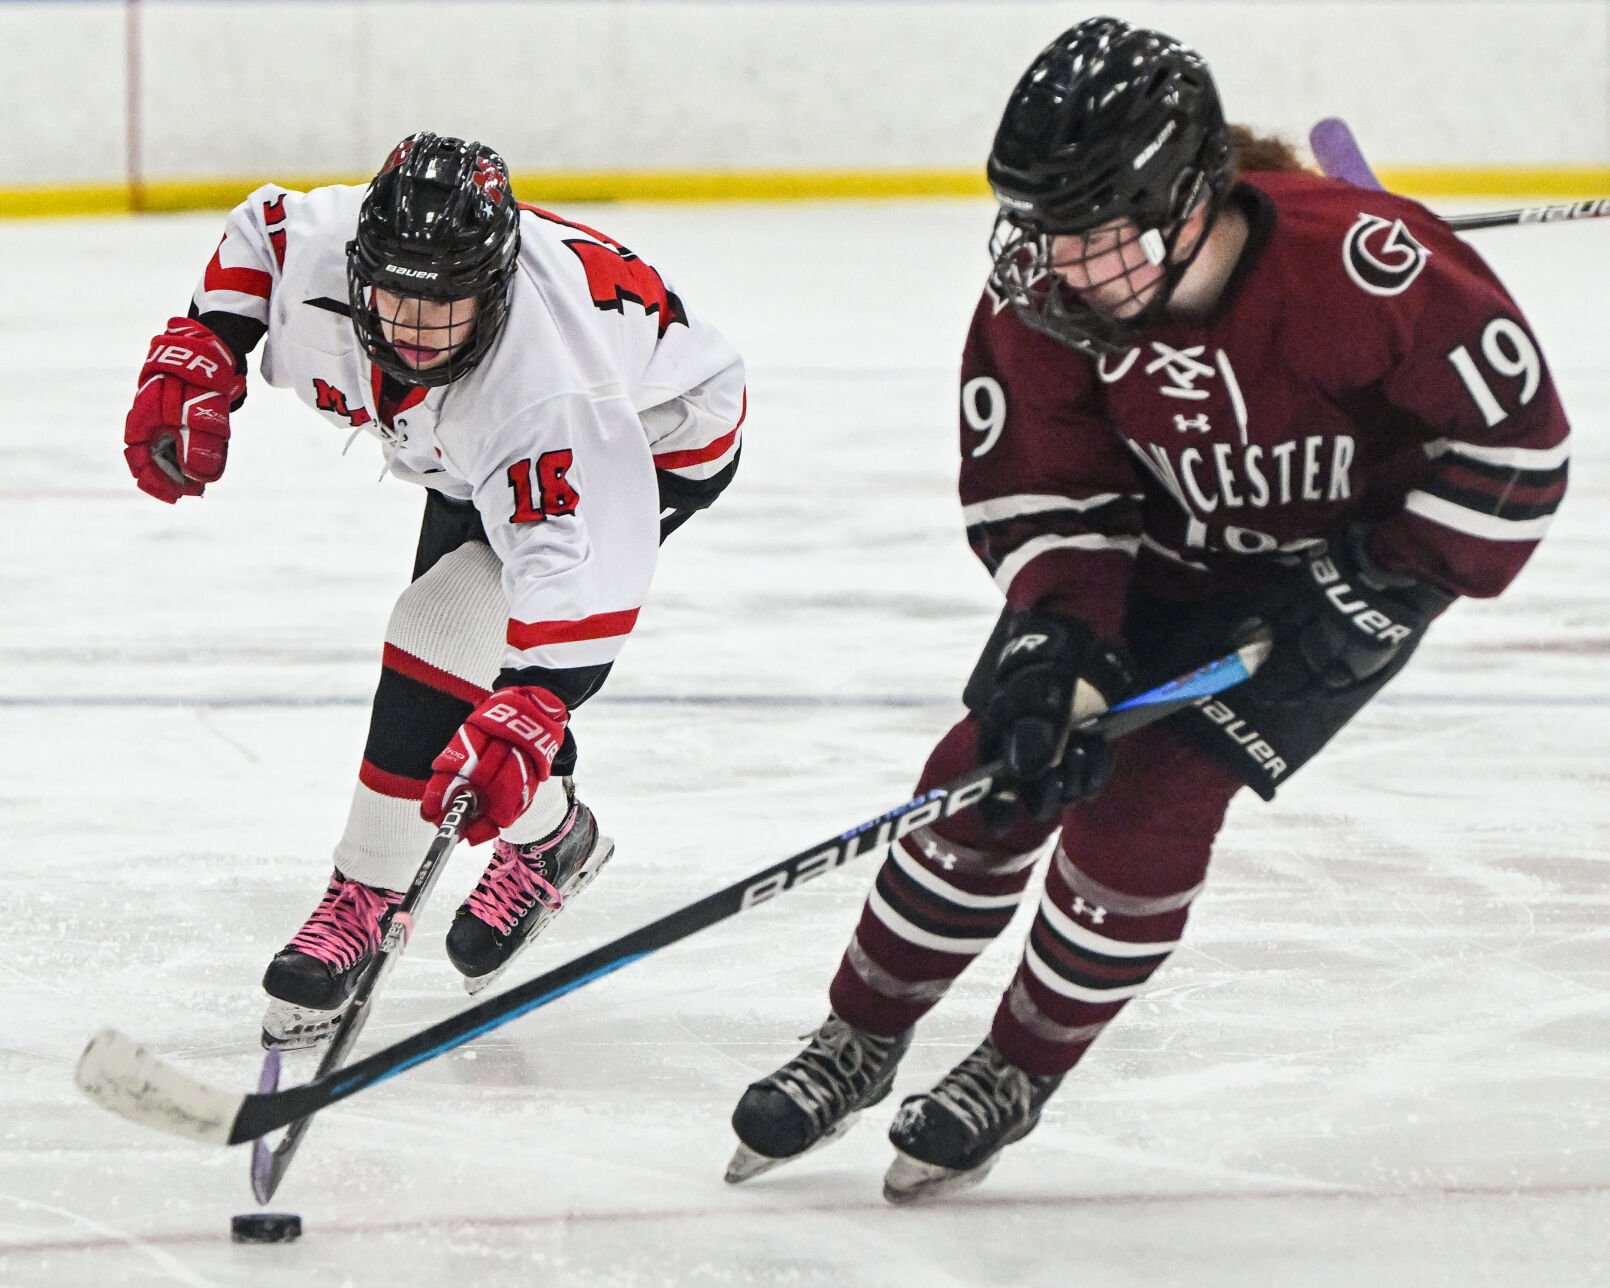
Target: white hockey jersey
pixel 600 377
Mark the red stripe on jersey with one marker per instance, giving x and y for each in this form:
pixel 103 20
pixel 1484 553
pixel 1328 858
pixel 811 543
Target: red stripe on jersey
pixel 394 659
pixel 552 218
pixel 699 455
pixel 390 409
pixel 245 281
pixel 597 627
pixel 695 455
pixel 394 785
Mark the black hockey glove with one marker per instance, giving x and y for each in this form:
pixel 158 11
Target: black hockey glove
pixel 1047 674
pixel 1339 619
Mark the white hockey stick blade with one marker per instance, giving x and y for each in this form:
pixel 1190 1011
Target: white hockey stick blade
pixel 119 1074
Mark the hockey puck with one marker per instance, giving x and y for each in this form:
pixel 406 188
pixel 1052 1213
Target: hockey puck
pixel 265 1227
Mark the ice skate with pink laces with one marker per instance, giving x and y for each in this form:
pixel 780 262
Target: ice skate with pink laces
pixel 311 981
pixel 521 891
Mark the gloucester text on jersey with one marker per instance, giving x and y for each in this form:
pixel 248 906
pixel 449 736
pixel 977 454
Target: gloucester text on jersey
pixel 1203 477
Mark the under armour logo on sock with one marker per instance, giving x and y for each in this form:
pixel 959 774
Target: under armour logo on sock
pixel 1098 914
pixel 933 851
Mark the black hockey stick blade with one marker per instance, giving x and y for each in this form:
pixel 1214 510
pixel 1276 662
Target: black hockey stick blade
pixel 122 1076
pixel 1340 157
pixel 268 1164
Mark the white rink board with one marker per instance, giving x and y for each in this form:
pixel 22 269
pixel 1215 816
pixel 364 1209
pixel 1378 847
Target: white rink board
pixel 1382 1055
pixel 252 89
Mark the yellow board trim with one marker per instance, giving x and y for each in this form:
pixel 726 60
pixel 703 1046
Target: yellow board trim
pixel 537 187
pixel 1513 183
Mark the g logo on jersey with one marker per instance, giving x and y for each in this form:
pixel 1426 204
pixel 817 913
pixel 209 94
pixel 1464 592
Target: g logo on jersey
pixel 1382 255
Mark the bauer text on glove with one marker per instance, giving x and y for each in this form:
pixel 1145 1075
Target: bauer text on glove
pixel 502 752
pixel 176 436
pixel 1339 619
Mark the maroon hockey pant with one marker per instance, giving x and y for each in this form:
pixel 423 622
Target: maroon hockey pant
pixel 1118 889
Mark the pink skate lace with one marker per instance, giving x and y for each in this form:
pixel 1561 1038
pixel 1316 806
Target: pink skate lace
pixel 346 924
pixel 513 883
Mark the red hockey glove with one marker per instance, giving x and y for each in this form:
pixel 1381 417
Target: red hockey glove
pixel 502 752
pixel 177 433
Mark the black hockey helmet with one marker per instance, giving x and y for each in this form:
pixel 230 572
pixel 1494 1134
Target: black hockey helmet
pixel 438 223
pixel 1110 123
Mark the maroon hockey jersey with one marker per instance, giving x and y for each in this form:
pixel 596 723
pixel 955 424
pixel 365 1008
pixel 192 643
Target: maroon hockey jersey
pixel 1363 363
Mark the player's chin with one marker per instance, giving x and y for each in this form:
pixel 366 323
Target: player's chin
pixel 1133 306
pixel 1118 303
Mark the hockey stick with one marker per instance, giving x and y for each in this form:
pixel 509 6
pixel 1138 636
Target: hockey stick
pixel 1339 156
pixel 122 1076
pixel 269 1164
pixel 1564 212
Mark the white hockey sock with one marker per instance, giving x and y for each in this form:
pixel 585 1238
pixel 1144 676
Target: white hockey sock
pixel 544 814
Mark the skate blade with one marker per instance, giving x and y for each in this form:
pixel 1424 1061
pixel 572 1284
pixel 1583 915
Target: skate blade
pixel 474 984
pixel 287 1027
pixel 910 1180
pixel 746 1164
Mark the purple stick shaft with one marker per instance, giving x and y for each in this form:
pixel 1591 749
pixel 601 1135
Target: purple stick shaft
pixel 262 1156
pixel 1339 156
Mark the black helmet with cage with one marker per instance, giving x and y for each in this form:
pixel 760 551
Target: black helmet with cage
pixel 439 223
pixel 1111 127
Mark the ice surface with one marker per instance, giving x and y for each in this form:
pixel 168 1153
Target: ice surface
pixel 1382 1057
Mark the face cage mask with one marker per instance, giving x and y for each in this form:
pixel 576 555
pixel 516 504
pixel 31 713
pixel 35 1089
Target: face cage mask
pixel 491 307
pixel 1024 277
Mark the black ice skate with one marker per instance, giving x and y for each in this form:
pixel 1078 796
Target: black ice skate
pixel 950 1137
pixel 814 1098
pixel 521 891
pixel 313 978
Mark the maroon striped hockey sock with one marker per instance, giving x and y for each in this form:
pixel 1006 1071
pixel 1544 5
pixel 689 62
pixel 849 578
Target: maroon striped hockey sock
pixel 940 897
pixel 1090 950
pixel 1117 894
pixel 934 907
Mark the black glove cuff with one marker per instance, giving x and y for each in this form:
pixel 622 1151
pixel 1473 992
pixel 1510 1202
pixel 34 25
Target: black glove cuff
pixel 1069 646
pixel 1422 596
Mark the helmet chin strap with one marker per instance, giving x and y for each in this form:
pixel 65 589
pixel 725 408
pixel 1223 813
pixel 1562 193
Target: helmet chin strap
pixel 1157 250
pixel 1180 270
